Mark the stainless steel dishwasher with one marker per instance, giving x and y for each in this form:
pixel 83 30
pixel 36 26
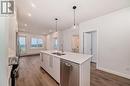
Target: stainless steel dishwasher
pixel 69 73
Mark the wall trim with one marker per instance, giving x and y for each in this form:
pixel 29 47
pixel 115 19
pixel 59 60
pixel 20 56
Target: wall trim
pixel 114 72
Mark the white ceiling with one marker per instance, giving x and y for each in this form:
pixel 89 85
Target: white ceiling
pixel 38 15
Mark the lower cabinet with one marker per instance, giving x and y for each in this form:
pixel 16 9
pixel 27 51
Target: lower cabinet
pixel 51 64
pixel 70 73
pixel 56 69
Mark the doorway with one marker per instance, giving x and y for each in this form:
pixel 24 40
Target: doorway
pixel 22 45
pixel 90 44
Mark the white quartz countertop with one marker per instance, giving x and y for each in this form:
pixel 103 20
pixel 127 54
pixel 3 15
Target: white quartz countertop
pixel 73 57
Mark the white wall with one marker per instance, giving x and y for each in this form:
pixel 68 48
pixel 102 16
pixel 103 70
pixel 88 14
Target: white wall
pixel 113 31
pixel 12 36
pixel 50 40
pixel 4 27
pixel 28 36
pixel 67 38
pixel 8 28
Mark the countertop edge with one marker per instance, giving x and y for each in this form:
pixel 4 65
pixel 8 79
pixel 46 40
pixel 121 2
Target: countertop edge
pixel 80 61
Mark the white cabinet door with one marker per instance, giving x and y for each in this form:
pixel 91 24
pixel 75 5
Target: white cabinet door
pixel 56 69
pixel 51 65
pixel 44 61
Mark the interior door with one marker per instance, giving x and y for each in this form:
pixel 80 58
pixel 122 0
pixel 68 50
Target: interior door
pixel 87 48
pixel 94 46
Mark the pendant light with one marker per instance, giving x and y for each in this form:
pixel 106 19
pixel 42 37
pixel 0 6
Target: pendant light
pixel 74 8
pixel 56 31
pixel 56 35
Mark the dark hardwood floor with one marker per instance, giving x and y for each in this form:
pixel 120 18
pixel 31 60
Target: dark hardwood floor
pixel 30 74
pixel 101 78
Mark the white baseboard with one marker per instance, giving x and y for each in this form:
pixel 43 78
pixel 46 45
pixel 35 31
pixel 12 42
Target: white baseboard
pixel 114 72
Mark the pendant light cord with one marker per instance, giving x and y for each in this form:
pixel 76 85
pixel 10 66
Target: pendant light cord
pixel 74 17
pixel 74 7
pixel 56 23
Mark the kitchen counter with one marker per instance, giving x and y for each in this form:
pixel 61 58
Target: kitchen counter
pixel 73 57
pixel 68 69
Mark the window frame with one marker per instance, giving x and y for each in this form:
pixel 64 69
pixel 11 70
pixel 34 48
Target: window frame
pixel 43 46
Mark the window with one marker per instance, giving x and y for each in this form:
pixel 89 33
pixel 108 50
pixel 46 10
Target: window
pixel 56 44
pixel 36 42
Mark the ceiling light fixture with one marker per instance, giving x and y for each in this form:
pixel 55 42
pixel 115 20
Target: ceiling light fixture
pixel 25 25
pixel 33 5
pixel 29 14
pixel 74 8
pixel 56 23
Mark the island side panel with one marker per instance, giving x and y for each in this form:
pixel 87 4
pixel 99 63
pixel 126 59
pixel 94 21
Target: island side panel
pixel 85 73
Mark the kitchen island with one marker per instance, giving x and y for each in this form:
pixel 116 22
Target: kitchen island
pixel 68 69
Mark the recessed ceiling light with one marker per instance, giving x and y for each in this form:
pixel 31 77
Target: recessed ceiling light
pixel 29 14
pixel 25 25
pixel 33 5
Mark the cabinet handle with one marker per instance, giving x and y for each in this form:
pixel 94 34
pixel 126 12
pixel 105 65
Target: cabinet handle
pixel 69 66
